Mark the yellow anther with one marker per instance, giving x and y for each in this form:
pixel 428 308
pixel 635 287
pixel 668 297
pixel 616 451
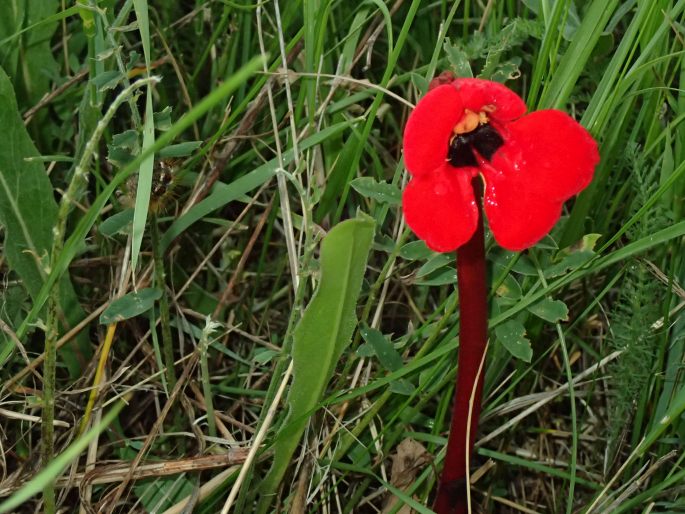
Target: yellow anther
pixel 468 123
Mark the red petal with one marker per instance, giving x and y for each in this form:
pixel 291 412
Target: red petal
pixel 478 93
pixel 518 216
pixel 552 153
pixel 440 208
pixel 429 128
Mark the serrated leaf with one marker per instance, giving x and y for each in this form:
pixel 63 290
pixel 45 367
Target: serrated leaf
pixel 163 119
pixel 512 335
pixel 389 358
pixel 123 148
pixel 506 71
pixel 107 80
pixel 322 334
pixel 127 139
pixel 107 53
pixel 458 59
pixel 550 310
pixel 379 191
pixel 130 305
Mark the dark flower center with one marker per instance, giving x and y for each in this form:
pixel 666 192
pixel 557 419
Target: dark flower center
pixel 484 139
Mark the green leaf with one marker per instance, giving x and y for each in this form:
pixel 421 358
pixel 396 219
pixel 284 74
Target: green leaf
pixel 379 191
pixel 420 82
pixel 27 213
pixel 163 120
pixel 512 335
pixel 571 261
pixel 322 334
pixel 402 386
pixel 550 310
pixel 509 289
pixel 127 139
pixel 180 149
pixel 124 148
pixel 87 18
pixel 117 223
pixel 130 305
pixel 144 182
pixel 107 80
pixel 389 358
pixel 457 59
pixel 352 39
pixel 416 250
pixel 447 275
pixel 436 262
pixel 506 71
pixel 29 60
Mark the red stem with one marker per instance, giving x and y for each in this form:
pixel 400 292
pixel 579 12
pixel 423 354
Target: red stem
pixel 473 333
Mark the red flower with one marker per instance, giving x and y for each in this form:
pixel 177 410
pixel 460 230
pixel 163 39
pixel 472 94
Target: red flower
pixel 530 164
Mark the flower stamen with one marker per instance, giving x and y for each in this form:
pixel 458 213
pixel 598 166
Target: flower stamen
pixel 473 133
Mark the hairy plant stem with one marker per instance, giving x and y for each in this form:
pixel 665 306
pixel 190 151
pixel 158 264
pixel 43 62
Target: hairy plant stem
pixel 75 189
pixel 452 497
pixel 167 345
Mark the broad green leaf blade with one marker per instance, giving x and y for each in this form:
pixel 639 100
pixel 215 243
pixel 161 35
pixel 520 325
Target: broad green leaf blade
pixel 322 334
pixel 27 213
pixel 130 305
pixel 512 335
pixel 550 310
pixel 27 222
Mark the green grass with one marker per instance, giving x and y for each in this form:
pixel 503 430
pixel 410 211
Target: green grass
pixel 277 165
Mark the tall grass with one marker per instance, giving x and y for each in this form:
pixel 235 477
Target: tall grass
pixel 285 119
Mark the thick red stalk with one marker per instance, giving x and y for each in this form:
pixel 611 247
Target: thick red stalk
pixel 473 333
